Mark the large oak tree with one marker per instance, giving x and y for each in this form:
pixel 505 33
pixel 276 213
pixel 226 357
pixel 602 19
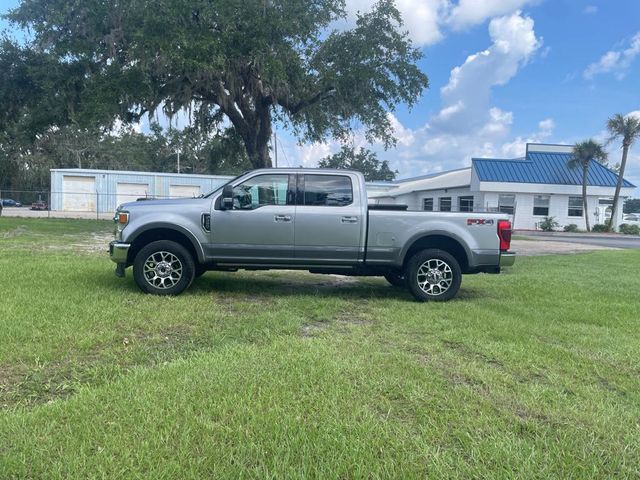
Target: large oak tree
pixel 246 62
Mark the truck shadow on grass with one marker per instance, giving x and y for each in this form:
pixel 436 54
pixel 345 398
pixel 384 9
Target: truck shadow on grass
pixel 268 285
pixel 310 285
pixel 253 285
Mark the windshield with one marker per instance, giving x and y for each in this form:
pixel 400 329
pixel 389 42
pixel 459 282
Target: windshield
pixel 222 186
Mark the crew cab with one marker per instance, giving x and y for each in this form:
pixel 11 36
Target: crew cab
pixel 307 219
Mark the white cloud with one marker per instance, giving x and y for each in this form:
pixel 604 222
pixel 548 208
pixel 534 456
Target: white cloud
pixel 547 125
pixel 615 61
pixel 635 113
pixel 119 128
pixel 517 147
pixel 467 124
pixel 590 10
pixel 473 12
pixel 309 155
pixel 426 19
pixel 421 18
pixel 403 135
pixel 466 97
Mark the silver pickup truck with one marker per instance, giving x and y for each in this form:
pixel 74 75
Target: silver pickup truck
pixel 308 219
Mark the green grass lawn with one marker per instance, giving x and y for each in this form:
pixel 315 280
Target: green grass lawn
pixel 534 373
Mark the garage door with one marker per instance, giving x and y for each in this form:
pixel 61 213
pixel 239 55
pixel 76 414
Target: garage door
pixel 130 192
pixel 78 194
pixel 189 191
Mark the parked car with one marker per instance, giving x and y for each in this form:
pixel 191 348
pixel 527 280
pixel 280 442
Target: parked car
pixel 9 202
pixel 306 219
pixel 39 205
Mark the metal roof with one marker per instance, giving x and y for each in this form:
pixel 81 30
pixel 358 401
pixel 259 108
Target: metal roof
pixel 544 167
pixel 450 179
pixel 91 171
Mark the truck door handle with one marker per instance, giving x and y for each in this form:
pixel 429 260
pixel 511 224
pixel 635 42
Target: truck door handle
pixel 282 218
pixel 349 220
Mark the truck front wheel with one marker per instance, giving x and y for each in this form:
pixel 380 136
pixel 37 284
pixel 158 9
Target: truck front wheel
pixel 433 275
pixel 163 268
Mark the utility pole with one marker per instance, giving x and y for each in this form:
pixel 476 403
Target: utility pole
pixel 275 146
pixel 178 153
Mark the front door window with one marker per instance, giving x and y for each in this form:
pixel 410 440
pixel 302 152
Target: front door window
pixel 260 191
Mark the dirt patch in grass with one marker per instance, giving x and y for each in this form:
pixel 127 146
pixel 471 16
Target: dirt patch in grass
pixel 93 244
pixel 451 373
pixel 469 353
pixel 340 322
pixel 29 385
pixel 16 232
pixel 310 330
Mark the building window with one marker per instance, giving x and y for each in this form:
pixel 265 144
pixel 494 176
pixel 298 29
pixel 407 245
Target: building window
pixel 541 205
pixel 445 204
pixel 328 190
pixel 465 204
pixel 427 204
pixel 575 206
pixel 507 204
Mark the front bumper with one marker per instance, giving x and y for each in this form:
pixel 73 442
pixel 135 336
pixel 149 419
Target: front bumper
pixel 119 251
pixel 507 259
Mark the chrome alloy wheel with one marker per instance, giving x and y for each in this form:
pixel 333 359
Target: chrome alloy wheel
pixel 435 277
pixel 162 270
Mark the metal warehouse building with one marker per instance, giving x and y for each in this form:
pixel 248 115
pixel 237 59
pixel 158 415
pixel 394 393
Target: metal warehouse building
pixel 81 190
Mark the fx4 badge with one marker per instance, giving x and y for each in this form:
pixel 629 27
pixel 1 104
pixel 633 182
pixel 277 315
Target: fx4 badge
pixel 480 221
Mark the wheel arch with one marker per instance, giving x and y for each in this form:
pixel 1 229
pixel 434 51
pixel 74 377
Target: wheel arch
pixel 166 232
pixel 443 242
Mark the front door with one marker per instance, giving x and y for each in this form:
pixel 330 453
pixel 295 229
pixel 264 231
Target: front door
pixel 260 227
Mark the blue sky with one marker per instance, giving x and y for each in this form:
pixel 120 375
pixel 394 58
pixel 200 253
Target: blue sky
pixel 504 72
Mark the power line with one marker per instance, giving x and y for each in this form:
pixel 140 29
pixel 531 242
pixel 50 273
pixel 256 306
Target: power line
pixel 285 154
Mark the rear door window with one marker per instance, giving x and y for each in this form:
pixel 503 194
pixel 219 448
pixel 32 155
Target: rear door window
pixel 327 191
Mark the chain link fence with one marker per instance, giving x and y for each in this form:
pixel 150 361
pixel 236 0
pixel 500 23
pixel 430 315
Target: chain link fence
pixel 67 204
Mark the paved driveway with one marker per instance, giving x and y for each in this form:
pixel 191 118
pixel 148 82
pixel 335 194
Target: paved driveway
pixel 597 239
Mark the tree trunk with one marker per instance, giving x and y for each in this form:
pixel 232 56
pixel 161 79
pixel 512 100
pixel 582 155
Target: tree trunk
pixel 585 173
pixel 256 139
pixel 616 195
pixel 258 152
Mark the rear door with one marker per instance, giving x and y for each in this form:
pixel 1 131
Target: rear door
pixel 329 220
pixel 260 227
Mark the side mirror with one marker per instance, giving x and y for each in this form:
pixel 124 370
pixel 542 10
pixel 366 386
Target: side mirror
pixel 227 198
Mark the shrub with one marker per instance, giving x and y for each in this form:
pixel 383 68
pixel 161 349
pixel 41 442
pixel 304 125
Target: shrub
pixel 629 229
pixel 548 224
pixel 572 227
pixel 600 227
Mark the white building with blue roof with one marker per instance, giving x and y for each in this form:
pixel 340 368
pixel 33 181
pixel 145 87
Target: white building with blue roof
pixel 529 189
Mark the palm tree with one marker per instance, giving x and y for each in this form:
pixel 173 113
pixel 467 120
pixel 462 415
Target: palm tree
pixel 581 157
pixel 627 128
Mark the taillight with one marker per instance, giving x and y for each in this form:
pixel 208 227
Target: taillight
pixel 504 234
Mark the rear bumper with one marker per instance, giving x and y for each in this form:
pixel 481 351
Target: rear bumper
pixel 119 251
pixel 507 259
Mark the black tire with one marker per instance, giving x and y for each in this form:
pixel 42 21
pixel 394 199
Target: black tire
pixel 433 275
pixel 395 279
pixel 163 268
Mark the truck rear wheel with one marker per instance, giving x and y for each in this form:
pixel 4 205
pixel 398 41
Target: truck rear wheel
pixel 163 268
pixel 433 275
